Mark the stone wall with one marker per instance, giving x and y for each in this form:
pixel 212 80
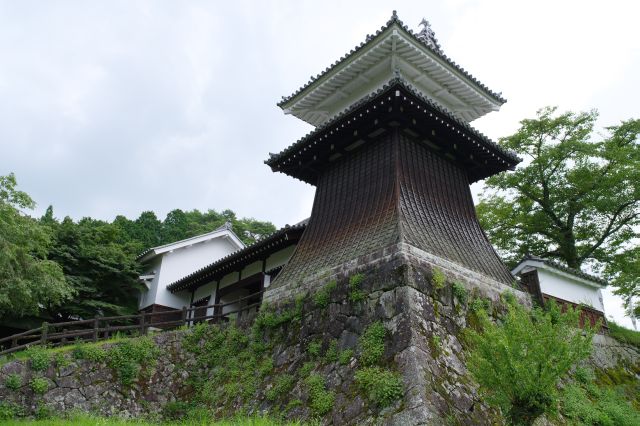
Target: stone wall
pixel 423 346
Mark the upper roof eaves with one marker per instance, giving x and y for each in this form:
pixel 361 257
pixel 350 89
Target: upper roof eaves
pixel 370 40
pixel 509 156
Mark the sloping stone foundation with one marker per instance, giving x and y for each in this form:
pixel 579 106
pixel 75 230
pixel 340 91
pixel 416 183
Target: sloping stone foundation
pixel 424 346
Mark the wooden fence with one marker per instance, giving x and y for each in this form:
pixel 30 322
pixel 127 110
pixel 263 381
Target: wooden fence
pixel 101 328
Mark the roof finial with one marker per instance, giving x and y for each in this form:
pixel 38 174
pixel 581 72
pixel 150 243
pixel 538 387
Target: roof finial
pixel 427 36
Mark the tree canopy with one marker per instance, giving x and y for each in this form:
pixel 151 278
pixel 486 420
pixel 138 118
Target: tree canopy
pixel 64 269
pixel 575 198
pixel 27 278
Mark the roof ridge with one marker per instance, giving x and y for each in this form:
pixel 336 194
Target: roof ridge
pixel 393 20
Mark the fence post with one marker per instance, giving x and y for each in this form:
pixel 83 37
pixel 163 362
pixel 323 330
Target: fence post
pixel 142 330
pixel 45 330
pixel 64 336
pixel 184 315
pixel 14 342
pixel 96 328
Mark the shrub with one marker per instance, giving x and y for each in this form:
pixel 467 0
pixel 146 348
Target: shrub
pixel 372 344
pixel 127 358
pixel 306 369
pixel 345 356
pixel 459 292
pixel 10 410
pixel 282 386
pixel 13 381
pixel 381 387
pixel 588 404
pixel 355 293
pixel 39 385
pixel 479 304
pixel 39 358
pixel 438 279
pixel 323 296
pixel 519 362
pixel 331 355
pixel 176 410
pixel 88 351
pixel 314 348
pixel 320 399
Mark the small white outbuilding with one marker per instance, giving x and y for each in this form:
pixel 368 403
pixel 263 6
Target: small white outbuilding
pixel 170 262
pixel 548 280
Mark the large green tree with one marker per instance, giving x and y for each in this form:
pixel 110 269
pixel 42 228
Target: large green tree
pixel 98 260
pixel 575 198
pixel 27 279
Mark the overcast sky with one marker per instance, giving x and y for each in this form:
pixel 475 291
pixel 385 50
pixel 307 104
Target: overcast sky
pixel 119 107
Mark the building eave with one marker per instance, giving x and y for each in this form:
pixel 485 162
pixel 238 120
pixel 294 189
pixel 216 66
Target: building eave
pixel 238 258
pixel 223 231
pixel 559 269
pixel 397 41
pixel 309 145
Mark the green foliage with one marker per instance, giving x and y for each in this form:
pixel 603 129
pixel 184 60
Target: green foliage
pixel 13 381
pixel 89 352
pixel 372 344
pixel 331 355
pixel 519 362
pixel 281 387
pixel 175 410
pixel 314 348
pixel 435 344
pixel 234 368
pixel 479 304
pixel 129 357
pixel 10 410
pixel 39 358
pixel 61 360
pixel 345 356
pixel 355 293
pixel 39 385
pixel 323 296
pixel 321 400
pixel 575 199
pixel 587 404
pixel 27 279
pixel 381 387
pixel 269 320
pixel 306 369
pixel 459 292
pixel 438 279
pixel 623 334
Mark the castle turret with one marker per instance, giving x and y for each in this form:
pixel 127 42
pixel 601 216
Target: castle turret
pixel 392 157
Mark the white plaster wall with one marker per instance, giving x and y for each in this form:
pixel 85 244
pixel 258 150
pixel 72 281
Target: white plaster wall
pixel 565 288
pixel 148 296
pixel 182 262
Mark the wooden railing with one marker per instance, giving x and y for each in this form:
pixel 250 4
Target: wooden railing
pixel 101 328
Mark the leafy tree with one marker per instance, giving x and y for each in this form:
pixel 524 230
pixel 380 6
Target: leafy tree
pixel 520 361
pixel 99 263
pixel 27 278
pixel 575 199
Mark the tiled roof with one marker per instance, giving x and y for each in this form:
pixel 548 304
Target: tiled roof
pixel 564 268
pixel 397 82
pixel 369 39
pixel 242 256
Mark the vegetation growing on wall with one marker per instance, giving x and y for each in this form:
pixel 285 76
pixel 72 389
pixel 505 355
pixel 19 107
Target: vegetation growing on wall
pixel 520 361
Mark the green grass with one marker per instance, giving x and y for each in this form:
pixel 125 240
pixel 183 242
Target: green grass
pixel 89 420
pixel 624 335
